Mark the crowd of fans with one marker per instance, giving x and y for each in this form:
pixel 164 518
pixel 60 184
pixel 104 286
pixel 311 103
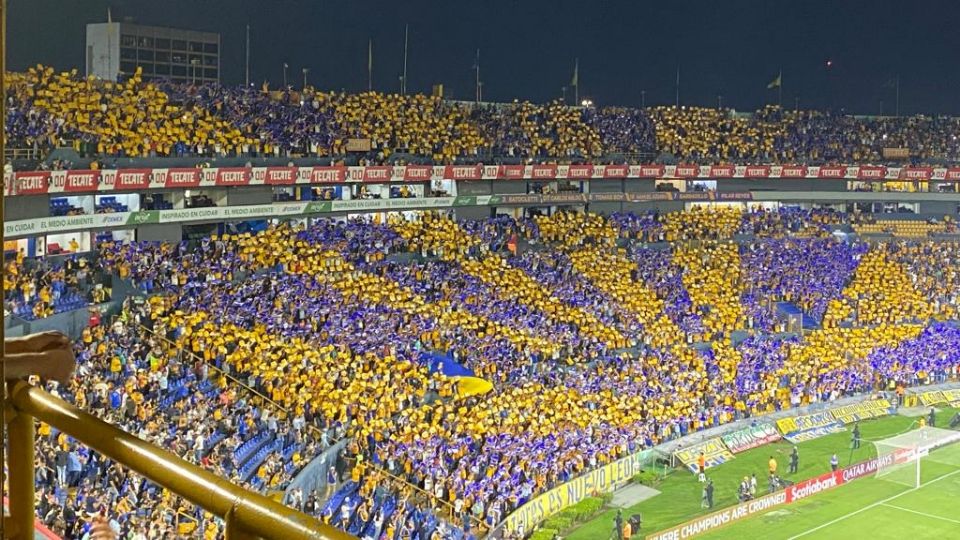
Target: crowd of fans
pixel 39 288
pixel 471 365
pixel 130 375
pixel 136 118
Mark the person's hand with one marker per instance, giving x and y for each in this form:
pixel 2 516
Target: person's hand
pixel 101 529
pixel 44 341
pixel 57 364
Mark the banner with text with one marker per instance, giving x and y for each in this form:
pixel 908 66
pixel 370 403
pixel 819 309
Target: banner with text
pixel 809 427
pixel 751 437
pixel 90 181
pixel 813 486
pixel 714 453
pixel 861 411
pixel 952 397
pixel 600 480
pixel 723 517
pixel 932 398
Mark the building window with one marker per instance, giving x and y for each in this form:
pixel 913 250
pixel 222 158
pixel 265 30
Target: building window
pixel 209 60
pixel 145 42
pixel 128 54
pixel 178 58
pixel 178 45
pixel 143 54
pixel 163 43
pixel 161 69
pixel 210 48
pixel 179 71
pixel 196 46
pixel 147 67
pixel 210 73
pixel 128 67
pixel 127 40
pixel 163 56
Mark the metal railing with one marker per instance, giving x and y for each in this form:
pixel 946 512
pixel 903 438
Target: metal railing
pixel 247 514
pixel 10 154
pixel 445 508
pixel 236 381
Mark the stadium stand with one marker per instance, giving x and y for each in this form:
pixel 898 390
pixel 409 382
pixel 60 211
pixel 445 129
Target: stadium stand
pixel 467 375
pixel 39 288
pixel 133 118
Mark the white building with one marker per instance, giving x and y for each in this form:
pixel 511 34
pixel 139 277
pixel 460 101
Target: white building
pixel 118 48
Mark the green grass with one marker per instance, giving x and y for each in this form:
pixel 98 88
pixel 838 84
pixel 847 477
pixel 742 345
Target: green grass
pixel 871 507
pixel 679 500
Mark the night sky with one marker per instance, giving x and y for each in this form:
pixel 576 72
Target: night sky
pixel 728 47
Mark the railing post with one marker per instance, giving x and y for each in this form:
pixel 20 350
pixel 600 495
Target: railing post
pixel 233 529
pixel 21 474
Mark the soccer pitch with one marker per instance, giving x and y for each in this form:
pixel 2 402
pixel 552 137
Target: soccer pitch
pixel 874 508
pixel 849 504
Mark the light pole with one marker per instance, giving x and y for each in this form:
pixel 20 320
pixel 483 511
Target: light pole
pixel 719 101
pixel 193 69
pixel 305 71
pixel 285 66
pixel 19 504
pixel 643 99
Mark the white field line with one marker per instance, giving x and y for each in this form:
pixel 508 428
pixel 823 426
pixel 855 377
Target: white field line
pixel 931 516
pixel 874 505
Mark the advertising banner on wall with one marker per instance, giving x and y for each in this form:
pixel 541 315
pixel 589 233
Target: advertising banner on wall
pixel 713 450
pixel 750 437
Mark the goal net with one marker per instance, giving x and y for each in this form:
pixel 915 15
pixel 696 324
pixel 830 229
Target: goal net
pixel 923 453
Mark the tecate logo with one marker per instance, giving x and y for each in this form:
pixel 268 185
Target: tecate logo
pixel 233 177
pixel 322 175
pixel 82 180
pixel 282 175
pixel 181 177
pixel 131 179
pixel 30 183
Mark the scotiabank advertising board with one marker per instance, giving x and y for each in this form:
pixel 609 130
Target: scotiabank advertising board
pixel 807 488
pixel 796 492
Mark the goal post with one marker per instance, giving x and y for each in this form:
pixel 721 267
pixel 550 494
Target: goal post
pixel 902 459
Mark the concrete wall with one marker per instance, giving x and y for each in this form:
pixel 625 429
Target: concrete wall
pixel 849 196
pixel 740 184
pixel 939 208
pixel 313 477
pixel 27 207
pixel 250 195
pixel 605 208
pixel 473 212
pixel 70 323
pixel 636 185
pixel 607 186
pixel 164 232
pixel 509 188
pixel 479 187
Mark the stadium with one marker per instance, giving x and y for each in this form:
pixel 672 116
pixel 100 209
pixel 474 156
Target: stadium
pixel 286 310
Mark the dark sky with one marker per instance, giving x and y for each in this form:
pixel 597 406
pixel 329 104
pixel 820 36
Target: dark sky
pixel 728 47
